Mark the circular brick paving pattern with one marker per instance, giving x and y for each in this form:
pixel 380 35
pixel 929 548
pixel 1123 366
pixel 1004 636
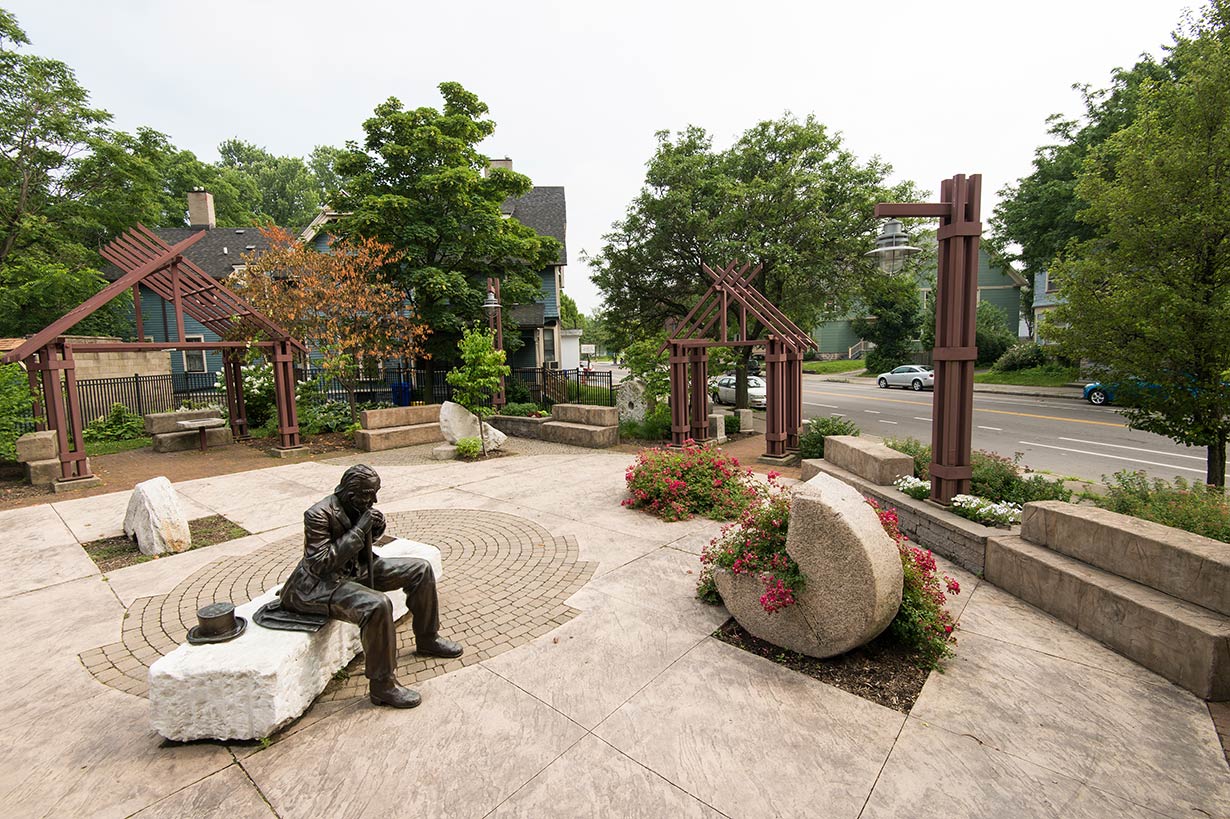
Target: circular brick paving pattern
pixel 506 580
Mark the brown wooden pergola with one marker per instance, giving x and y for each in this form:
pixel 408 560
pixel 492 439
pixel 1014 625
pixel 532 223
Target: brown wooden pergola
pixel 732 291
pixel 147 260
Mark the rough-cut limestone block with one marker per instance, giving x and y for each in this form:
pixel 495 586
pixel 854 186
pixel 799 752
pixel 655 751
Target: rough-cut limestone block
pixel 43 473
pixel 562 432
pixel 1179 563
pixel 457 422
pixel 518 426
pixel 590 414
pixel 867 459
pixel 399 416
pixel 853 572
pixel 375 440
pixel 37 446
pixel 191 439
pixel 631 400
pixel 717 427
pixel 158 423
pixel 253 685
pixel 444 452
pixel 155 519
pixel 747 422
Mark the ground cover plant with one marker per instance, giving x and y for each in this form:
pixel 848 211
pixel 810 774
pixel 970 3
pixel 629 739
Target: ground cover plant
pixel 120 424
pixel 988 513
pixel 811 438
pixel 524 409
pixel 112 553
pixel 469 448
pixel 995 478
pixel 676 484
pixel 830 367
pixel 1049 375
pixel 1192 507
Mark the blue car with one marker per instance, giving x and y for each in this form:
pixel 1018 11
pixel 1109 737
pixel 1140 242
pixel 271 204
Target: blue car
pixel 1097 394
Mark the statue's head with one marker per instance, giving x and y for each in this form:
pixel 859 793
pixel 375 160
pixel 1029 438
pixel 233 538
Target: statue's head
pixel 358 487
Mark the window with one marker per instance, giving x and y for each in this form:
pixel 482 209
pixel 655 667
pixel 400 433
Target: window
pixel 194 360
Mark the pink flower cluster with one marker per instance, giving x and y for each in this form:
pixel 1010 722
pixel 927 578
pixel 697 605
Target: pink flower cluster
pixel 676 484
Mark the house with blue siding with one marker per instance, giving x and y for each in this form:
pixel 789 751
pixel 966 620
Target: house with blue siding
pixel 1046 296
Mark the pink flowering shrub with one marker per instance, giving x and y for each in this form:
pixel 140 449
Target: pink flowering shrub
pixel 676 484
pixel 922 622
pixel 755 544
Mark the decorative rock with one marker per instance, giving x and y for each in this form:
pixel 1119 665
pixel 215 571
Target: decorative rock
pixel 43 473
pixel 632 400
pixel 457 422
pixel 853 572
pixel 37 446
pixel 253 685
pixel 717 427
pixel 747 424
pixel 155 519
pixel 444 452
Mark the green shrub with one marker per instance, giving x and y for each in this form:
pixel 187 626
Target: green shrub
pixel 733 424
pixel 120 424
pixel 15 409
pixel 676 484
pixel 258 394
pixel 526 409
pixel 992 334
pixel 988 513
pixel 655 427
pixel 811 440
pixel 1192 507
pixel 1021 356
pixel 317 416
pixel 516 391
pixel 469 448
pixel 916 449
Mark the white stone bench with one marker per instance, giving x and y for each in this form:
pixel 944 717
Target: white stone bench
pixel 251 686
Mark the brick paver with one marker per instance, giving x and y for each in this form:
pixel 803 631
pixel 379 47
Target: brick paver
pixel 506 580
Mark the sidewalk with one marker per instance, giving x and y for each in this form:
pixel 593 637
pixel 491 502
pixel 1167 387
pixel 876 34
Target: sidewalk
pixel 618 703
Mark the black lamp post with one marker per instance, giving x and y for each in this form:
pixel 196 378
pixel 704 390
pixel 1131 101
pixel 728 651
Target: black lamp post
pixel 495 321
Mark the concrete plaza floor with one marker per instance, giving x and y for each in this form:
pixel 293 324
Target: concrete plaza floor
pixel 623 707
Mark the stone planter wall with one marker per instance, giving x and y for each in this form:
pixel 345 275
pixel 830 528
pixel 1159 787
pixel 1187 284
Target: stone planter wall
pixel 518 426
pixel 961 541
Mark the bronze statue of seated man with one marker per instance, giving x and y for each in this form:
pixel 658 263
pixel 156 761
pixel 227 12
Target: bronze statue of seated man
pixel 339 576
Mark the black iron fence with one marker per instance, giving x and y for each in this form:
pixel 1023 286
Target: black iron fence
pixel 144 394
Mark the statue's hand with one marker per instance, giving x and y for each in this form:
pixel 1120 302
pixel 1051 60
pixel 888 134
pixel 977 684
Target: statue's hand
pixel 364 523
pixel 377 522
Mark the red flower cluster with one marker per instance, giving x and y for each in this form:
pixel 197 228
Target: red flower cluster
pixel 676 484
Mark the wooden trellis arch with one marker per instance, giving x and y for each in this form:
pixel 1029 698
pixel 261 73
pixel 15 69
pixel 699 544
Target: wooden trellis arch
pixel 707 325
pixel 147 260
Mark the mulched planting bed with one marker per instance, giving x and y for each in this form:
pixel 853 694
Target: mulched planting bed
pixel 322 444
pixel 112 553
pixel 882 671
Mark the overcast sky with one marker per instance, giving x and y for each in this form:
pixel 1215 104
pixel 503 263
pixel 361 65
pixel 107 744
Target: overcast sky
pixel 578 89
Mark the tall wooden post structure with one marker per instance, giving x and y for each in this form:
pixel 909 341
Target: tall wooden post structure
pixel 709 324
pixel 956 308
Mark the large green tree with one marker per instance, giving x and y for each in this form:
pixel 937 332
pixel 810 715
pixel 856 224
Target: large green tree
pixel 419 183
pixel 1147 295
pixel 289 192
pixel 787 195
pixel 893 319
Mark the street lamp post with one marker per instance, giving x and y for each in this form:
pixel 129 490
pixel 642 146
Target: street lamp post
pixel 495 321
pixel 956 304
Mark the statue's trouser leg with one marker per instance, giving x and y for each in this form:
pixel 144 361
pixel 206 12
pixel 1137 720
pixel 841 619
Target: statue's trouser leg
pixel 372 612
pixel 415 576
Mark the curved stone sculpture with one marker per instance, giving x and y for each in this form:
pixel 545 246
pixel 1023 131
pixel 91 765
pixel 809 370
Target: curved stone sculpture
pixel 853 572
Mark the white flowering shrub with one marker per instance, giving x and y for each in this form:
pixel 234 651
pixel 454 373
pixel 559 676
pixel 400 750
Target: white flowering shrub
pixel 914 487
pixel 981 510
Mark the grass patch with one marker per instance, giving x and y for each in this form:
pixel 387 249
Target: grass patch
pixel 112 553
pixel 95 448
pixel 827 367
pixel 1032 377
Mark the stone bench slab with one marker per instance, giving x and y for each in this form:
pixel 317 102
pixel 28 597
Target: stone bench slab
pixel 251 686
pixel 375 440
pixel 159 423
pixel 871 461
pixel 399 416
pixel 589 414
pixel 191 439
pixel 563 432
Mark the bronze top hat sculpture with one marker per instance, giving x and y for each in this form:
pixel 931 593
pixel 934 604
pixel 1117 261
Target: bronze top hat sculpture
pixel 217 623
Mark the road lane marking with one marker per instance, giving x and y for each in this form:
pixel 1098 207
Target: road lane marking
pixel 979 409
pixel 1136 448
pixel 1115 457
pixel 919 418
pixel 873 412
pixel 830 406
pixel 882 421
pixel 993 429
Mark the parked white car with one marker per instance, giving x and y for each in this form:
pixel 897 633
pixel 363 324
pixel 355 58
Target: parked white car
pixel 722 390
pixel 912 376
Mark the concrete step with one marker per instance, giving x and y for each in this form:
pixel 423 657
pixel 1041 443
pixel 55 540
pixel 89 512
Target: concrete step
pixel 1185 643
pixel 375 440
pixel 564 432
pixel 1181 564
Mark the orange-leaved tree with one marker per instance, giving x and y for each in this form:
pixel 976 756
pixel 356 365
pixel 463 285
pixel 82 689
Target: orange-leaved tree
pixel 339 302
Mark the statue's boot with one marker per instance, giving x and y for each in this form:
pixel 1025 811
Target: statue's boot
pixel 438 647
pixel 388 692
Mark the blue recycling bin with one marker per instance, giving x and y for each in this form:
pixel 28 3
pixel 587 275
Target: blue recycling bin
pixel 401 394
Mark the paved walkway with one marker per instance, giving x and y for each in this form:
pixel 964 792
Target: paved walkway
pixel 617 702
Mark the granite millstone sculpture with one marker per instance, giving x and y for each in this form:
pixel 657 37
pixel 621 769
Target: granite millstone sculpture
pixel 340 577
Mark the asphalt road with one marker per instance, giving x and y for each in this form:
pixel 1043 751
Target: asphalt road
pixel 1063 436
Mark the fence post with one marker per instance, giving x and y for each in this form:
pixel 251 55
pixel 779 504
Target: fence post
pixel 136 380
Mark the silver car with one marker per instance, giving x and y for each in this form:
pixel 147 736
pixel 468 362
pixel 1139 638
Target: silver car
pixel 722 390
pixel 914 376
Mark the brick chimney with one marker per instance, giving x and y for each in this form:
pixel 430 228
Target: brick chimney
pixel 201 209
pixel 504 163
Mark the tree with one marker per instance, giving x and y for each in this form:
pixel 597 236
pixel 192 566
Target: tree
pixel 419 184
pixel 322 162
pixel 340 302
pixel 892 321
pixel 1147 296
pixel 569 316
pixel 786 195
pixel 477 377
pixel 289 192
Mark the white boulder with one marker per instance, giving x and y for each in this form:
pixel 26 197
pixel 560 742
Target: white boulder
pixel 457 422
pixel 253 685
pixel 155 519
